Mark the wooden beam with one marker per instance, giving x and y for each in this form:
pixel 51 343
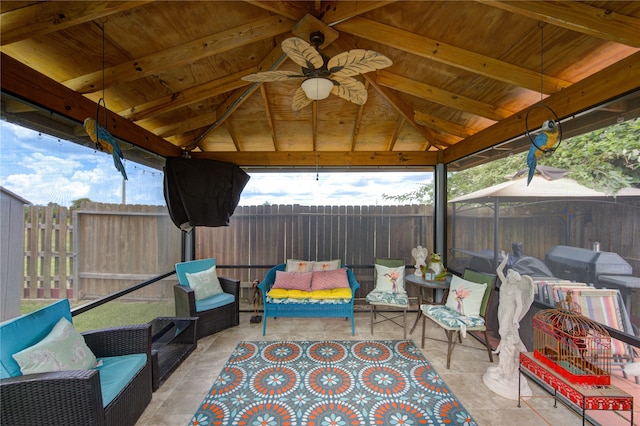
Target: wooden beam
pixel 232 134
pixel 616 80
pixel 576 16
pixel 358 122
pixel 43 18
pixel 186 97
pixel 396 133
pixel 267 111
pixel 26 83
pixel 195 50
pixel 325 158
pixel 450 55
pixel 440 96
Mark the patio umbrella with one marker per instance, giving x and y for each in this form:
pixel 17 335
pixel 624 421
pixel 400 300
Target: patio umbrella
pixel 548 183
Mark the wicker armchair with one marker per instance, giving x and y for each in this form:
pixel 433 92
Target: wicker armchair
pixel 212 320
pixel 74 397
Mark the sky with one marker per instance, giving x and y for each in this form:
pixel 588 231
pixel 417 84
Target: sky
pixel 43 169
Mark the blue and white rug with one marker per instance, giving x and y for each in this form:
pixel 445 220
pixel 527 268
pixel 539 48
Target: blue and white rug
pixel 329 383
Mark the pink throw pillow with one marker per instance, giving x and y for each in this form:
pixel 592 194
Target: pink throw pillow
pixel 325 280
pixel 293 280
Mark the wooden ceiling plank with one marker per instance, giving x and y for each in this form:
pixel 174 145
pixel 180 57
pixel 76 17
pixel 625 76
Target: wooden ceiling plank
pixel 450 55
pixel 186 97
pixel 46 17
pixel 442 125
pixel 293 159
pixel 274 59
pixel 583 18
pixel 441 97
pixel 267 111
pixel 261 29
pixel 26 83
pixel 402 108
pixel 179 127
pixel 621 77
pixel 292 10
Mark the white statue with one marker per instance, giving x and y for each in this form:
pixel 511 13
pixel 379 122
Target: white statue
pixel 419 254
pixel 516 297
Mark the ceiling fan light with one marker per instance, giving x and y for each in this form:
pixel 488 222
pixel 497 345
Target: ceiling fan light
pixel 317 88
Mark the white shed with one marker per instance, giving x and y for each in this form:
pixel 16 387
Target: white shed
pixel 11 253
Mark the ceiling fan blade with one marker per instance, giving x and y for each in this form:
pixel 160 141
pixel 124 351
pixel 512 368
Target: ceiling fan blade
pixel 300 100
pixel 357 61
pixel 272 76
pixel 302 53
pixel 350 89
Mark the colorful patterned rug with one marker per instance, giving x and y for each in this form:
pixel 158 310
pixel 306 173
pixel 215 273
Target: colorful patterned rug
pixel 329 383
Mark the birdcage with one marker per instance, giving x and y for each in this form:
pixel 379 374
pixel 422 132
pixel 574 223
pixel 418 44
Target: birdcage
pixel 573 345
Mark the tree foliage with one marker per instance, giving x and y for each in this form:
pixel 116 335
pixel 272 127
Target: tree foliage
pixel 606 160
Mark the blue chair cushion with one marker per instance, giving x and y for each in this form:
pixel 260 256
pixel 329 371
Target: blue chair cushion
pixel 116 372
pixel 388 299
pixel 27 330
pixel 214 301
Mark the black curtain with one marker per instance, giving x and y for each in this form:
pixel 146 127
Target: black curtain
pixel 202 192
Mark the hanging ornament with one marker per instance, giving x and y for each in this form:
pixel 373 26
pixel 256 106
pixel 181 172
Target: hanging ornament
pixel 99 134
pixel 550 136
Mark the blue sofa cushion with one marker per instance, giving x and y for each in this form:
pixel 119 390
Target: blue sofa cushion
pixel 214 301
pixel 27 330
pixel 116 372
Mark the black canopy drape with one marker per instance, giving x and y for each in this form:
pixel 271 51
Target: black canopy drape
pixel 201 192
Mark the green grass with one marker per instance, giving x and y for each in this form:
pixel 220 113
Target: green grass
pixel 111 314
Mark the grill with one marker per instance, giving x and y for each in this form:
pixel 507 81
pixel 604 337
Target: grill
pixel 583 265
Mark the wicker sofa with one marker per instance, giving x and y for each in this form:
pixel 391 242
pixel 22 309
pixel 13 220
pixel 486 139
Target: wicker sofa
pixel 115 393
pixel 305 308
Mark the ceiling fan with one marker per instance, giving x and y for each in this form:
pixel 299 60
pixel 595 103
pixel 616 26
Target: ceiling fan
pixel 322 75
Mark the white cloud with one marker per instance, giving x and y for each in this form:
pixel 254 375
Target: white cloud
pixel 44 169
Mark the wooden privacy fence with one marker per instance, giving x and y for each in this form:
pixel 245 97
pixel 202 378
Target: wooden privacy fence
pixel 267 235
pixel 102 248
pixel 98 249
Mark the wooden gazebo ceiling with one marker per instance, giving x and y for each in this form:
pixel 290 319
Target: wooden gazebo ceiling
pixel 464 74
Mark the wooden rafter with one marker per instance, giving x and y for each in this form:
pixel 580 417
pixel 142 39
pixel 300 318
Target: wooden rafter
pixel 450 55
pixel 442 97
pixel 189 52
pixel 579 17
pixel 186 97
pixel 43 18
pixel 267 111
pixel 624 76
pixel 396 133
pixel 23 82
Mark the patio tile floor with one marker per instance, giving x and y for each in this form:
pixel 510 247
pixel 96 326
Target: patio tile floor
pixel 179 397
